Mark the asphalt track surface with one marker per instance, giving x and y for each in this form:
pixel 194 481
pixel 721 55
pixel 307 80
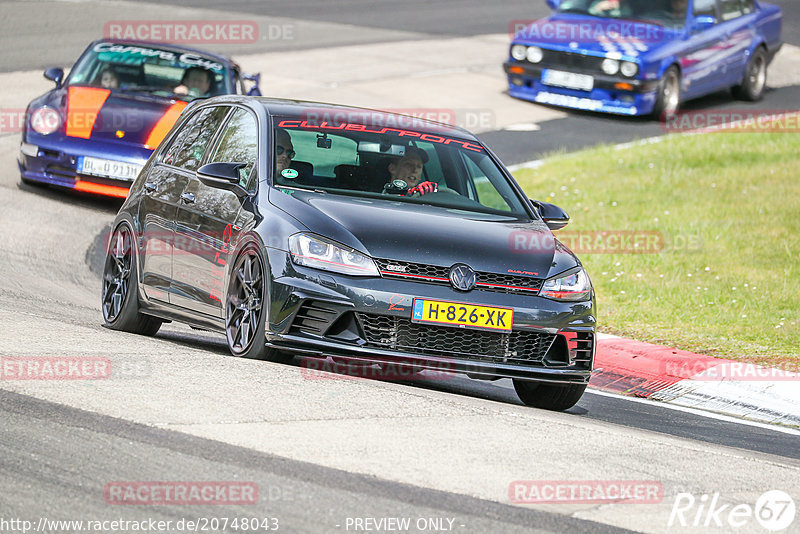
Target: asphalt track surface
pixel 198 414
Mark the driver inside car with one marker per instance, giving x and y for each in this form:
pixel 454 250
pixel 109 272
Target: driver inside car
pixel 409 169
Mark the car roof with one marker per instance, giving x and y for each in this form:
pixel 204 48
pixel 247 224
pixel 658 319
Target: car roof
pixel 165 46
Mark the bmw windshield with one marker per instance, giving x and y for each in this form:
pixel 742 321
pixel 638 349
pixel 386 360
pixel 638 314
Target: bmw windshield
pixel 143 69
pixel 670 13
pixel 394 158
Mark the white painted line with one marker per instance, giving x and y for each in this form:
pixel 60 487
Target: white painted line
pixel 701 413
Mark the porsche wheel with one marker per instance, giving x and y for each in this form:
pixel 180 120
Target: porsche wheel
pixel 755 78
pixel 556 397
pixel 246 309
pixel 121 289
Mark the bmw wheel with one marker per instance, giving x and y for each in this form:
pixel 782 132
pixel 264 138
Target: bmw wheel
pixel 668 99
pixel 556 397
pixel 755 78
pixel 246 306
pixel 121 287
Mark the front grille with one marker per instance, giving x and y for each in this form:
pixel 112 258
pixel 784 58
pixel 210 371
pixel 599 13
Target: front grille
pixel 396 333
pixel 571 61
pixel 433 274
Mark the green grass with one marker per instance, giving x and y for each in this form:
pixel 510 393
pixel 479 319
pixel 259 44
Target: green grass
pixel 727 281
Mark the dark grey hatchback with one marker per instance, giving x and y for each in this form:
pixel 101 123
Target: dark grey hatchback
pixel 299 228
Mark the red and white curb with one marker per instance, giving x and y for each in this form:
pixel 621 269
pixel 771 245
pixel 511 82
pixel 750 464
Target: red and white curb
pixel 696 381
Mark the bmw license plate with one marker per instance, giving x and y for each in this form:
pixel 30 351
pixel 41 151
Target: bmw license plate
pixel 108 168
pixel 462 315
pixel 568 80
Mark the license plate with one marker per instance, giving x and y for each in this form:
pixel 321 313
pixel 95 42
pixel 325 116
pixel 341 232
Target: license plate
pixel 569 80
pixel 108 168
pixel 462 315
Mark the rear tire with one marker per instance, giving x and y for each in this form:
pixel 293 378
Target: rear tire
pixel 668 99
pixel 755 78
pixel 120 295
pixel 246 305
pixel 555 397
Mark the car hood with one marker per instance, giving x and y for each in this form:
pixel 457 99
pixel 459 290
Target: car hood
pixel 596 36
pixel 401 231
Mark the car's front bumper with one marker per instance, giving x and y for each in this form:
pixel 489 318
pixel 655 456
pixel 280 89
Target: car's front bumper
pixel 54 161
pixel 637 98
pixel 369 319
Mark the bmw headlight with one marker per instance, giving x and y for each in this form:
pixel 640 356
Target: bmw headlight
pixel 45 120
pixel 629 69
pixel 610 66
pixel 572 287
pixel 314 251
pixel 535 54
pixel 519 52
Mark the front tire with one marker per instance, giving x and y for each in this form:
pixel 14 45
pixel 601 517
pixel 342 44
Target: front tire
pixel 555 397
pixel 755 78
pixel 668 99
pixel 120 296
pixel 246 305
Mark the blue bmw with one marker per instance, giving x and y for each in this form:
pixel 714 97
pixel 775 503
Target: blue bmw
pixel 640 57
pixel 96 129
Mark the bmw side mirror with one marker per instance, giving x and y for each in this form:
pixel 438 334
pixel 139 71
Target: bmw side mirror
pixel 554 217
pixel 55 74
pixel 256 79
pixel 554 4
pixel 703 22
pixel 227 176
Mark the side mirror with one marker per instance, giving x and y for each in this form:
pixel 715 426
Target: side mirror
pixel 55 74
pixel 255 78
pixel 554 4
pixel 227 176
pixel 554 217
pixel 703 22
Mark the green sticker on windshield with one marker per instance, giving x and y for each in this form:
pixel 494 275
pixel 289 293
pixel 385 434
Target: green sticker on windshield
pixel 289 174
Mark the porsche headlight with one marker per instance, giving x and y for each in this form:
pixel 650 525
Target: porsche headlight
pixel 610 66
pixel 314 251
pixel 519 52
pixel 629 69
pixel 535 54
pixel 572 287
pixel 45 120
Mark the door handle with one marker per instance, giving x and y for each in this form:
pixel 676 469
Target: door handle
pixel 188 198
pixel 150 187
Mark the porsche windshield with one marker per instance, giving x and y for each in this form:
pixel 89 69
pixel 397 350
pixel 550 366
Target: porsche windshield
pixel 671 13
pixel 145 69
pixel 394 161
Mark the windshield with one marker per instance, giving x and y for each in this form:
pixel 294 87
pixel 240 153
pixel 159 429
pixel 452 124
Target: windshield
pixel 670 13
pixel 144 69
pixel 423 166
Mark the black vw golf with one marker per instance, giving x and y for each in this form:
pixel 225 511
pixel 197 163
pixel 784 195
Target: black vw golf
pixel 300 228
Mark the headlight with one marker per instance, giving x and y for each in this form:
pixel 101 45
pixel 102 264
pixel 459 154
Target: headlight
pixel 519 52
pixel 571 287
pixel 317 252
pixel 629 69
pixel 45 120
pixel 535 54
pixel 610 66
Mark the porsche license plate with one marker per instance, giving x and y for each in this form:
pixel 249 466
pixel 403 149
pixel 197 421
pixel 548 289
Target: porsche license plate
pixel 108 168
pixel 463 315
pixel 568 80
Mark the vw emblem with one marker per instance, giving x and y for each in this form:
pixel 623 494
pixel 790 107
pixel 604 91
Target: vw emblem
pixel 462 277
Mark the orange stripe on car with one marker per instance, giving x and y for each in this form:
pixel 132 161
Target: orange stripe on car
pixel 164 124
pixel 83 105
pixel 101 189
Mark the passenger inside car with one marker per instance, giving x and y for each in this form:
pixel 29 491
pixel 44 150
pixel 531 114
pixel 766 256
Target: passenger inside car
pixel 108 79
